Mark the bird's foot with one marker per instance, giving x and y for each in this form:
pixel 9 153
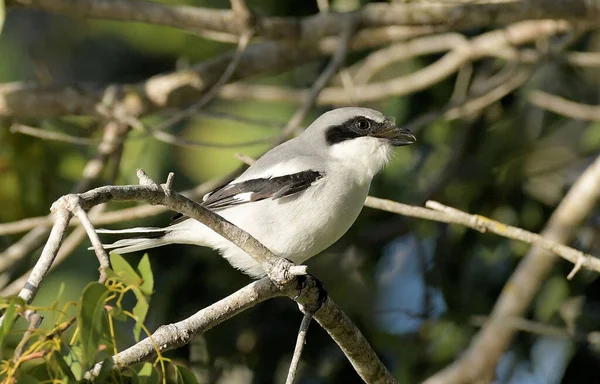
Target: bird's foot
pixel 310 282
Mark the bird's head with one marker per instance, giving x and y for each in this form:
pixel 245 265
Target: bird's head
pixel 360 137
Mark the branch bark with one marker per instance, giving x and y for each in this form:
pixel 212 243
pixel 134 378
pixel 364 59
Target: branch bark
pixel 458 15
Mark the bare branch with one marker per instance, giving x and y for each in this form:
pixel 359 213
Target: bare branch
pixel 534 327
pixel 49 135
pixel 96 243
pixel 454 14
pixel 564 107
pixel 35 320
pixel 324 78
pixel 179 88
pixel 484 45
pixel 159 133
pixel 41 268
pixel 352 342
pixel 300 341
pixel 330 316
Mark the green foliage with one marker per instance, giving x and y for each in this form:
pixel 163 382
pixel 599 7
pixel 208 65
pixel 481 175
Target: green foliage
pixel 92 323
pixel 2 14
pixel 141 283
pixel 146 374
pixel 10 315
pixel 49 355
pixel 185 376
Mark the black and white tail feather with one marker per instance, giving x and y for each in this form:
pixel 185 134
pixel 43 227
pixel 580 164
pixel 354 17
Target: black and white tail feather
pixel 224 197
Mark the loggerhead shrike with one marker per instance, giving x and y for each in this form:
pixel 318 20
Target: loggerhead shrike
pixel 297 199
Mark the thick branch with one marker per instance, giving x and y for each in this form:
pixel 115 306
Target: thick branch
pixel 179 88
pixel 183 87
pixel 459 15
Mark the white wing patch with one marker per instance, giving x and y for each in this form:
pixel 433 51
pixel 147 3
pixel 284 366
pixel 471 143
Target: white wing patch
pixel 246 196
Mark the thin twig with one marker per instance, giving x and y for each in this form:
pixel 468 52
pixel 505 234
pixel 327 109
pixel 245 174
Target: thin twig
pixel 321 82
pixel 101 254
pixel 35 320
pixel 534 327
pixel 159 131
pixel 300 341
pixel 50 135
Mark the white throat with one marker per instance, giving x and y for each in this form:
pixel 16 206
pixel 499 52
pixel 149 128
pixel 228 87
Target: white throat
pixel 366 156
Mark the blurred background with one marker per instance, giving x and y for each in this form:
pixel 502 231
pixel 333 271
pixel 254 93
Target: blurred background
pixel 418 290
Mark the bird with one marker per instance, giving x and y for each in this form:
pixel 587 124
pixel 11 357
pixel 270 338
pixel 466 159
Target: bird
pixel 297 199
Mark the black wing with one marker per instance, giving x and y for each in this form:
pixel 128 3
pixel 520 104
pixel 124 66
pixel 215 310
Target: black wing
pixel 257 189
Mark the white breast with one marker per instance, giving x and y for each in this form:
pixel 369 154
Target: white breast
pixel 296 227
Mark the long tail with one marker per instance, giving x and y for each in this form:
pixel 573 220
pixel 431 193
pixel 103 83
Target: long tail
pixel 151 238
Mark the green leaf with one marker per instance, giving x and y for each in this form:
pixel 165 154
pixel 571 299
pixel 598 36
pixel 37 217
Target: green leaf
pixel 63 368
pixel 143 295
pixel 61 290
pixel 91 319
pixel 73 359
pixel 28 379
pixel 145 271
pixel 2 14
pixel 10 315
pixel 185 376
pixel 107 365
pixel 124 271
pixel 146 374
pixel 140 311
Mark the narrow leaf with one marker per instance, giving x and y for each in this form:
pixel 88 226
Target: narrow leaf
pixel 145 271
pixel 63 368
pixel 146 374
pixel 185 376
pixel 140 311
pixel 107 365
pixel 91 319
pixel 2 14
pixel 10 315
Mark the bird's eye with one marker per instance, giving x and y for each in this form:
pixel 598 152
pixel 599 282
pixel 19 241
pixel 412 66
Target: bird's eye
pixel 363 124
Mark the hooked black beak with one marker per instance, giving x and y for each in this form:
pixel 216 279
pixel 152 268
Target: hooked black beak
pixel 396 136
